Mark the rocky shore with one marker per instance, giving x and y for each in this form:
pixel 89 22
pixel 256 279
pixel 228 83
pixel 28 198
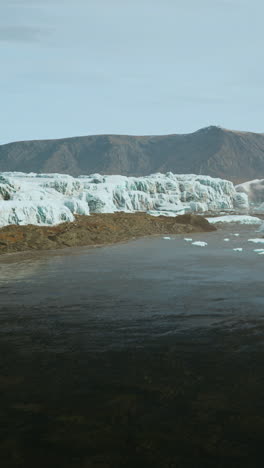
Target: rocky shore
pixel 97 229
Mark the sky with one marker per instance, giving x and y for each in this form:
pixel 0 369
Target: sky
pixel 140 67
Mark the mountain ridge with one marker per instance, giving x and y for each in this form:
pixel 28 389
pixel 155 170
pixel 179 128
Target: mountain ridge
pixel 213 150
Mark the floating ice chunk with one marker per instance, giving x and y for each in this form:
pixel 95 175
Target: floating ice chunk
pixel 226 239
pixel 261 253
pixel 258 250
pixel 200 243
pixel 167 238
pixel 241 219
pixel 238 249
pixel 236 234
pixel 257 240
pixel 188 239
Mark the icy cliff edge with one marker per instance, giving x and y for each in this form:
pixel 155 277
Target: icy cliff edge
pixel 48 199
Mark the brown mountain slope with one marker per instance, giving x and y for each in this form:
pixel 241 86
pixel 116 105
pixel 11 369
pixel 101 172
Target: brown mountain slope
pixel 214 151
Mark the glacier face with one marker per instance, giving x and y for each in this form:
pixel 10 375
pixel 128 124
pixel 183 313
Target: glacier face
pixel 54 198
pixel 254 189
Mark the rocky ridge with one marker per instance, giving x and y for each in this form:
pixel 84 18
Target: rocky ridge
pixel 214 151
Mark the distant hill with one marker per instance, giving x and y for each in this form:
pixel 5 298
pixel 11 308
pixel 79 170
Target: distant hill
pixel 237 156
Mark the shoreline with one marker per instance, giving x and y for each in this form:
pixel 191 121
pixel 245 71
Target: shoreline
pixel 96 230
pixel 30 253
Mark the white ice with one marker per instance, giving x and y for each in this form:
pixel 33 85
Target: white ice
pixel 166 238
pixel 238 249
pixel 241 219
pixel 226 239
pixel 254 189
pixel 200 243
pixel 188 239
pixel 257 241
pixel 54 198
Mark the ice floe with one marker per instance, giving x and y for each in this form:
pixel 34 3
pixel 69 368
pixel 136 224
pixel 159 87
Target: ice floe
pixel 167 238
pixel 188 239
pixel 238 249
pixel 199 243
pixel 54 198
pixel 226 240
pixel 240 219
pixel 257 240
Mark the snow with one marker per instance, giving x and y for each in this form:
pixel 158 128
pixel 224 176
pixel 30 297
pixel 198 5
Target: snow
pixel 53 198
pixel 188 239
pixel 238 249
pixel 257 240
pixel 241 219
pixel 200 243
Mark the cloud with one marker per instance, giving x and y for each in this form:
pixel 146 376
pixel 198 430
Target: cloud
pixel 20 34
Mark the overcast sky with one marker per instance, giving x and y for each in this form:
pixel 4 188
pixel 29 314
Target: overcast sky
pixel 80 67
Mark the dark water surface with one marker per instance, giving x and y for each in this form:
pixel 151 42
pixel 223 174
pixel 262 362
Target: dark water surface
pixel 144 354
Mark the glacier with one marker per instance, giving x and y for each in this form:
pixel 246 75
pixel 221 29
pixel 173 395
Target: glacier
pixel 254 189
pixel 49 199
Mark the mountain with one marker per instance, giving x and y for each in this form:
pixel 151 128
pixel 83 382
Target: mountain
pixel 214 151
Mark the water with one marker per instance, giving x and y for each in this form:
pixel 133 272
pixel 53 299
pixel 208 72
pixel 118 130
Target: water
pixel 147 288
pixel 147 353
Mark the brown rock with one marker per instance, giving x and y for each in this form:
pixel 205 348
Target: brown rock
pixel 97 229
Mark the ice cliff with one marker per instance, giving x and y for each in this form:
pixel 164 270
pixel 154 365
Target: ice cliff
pixel 254 189
pixel 54 198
